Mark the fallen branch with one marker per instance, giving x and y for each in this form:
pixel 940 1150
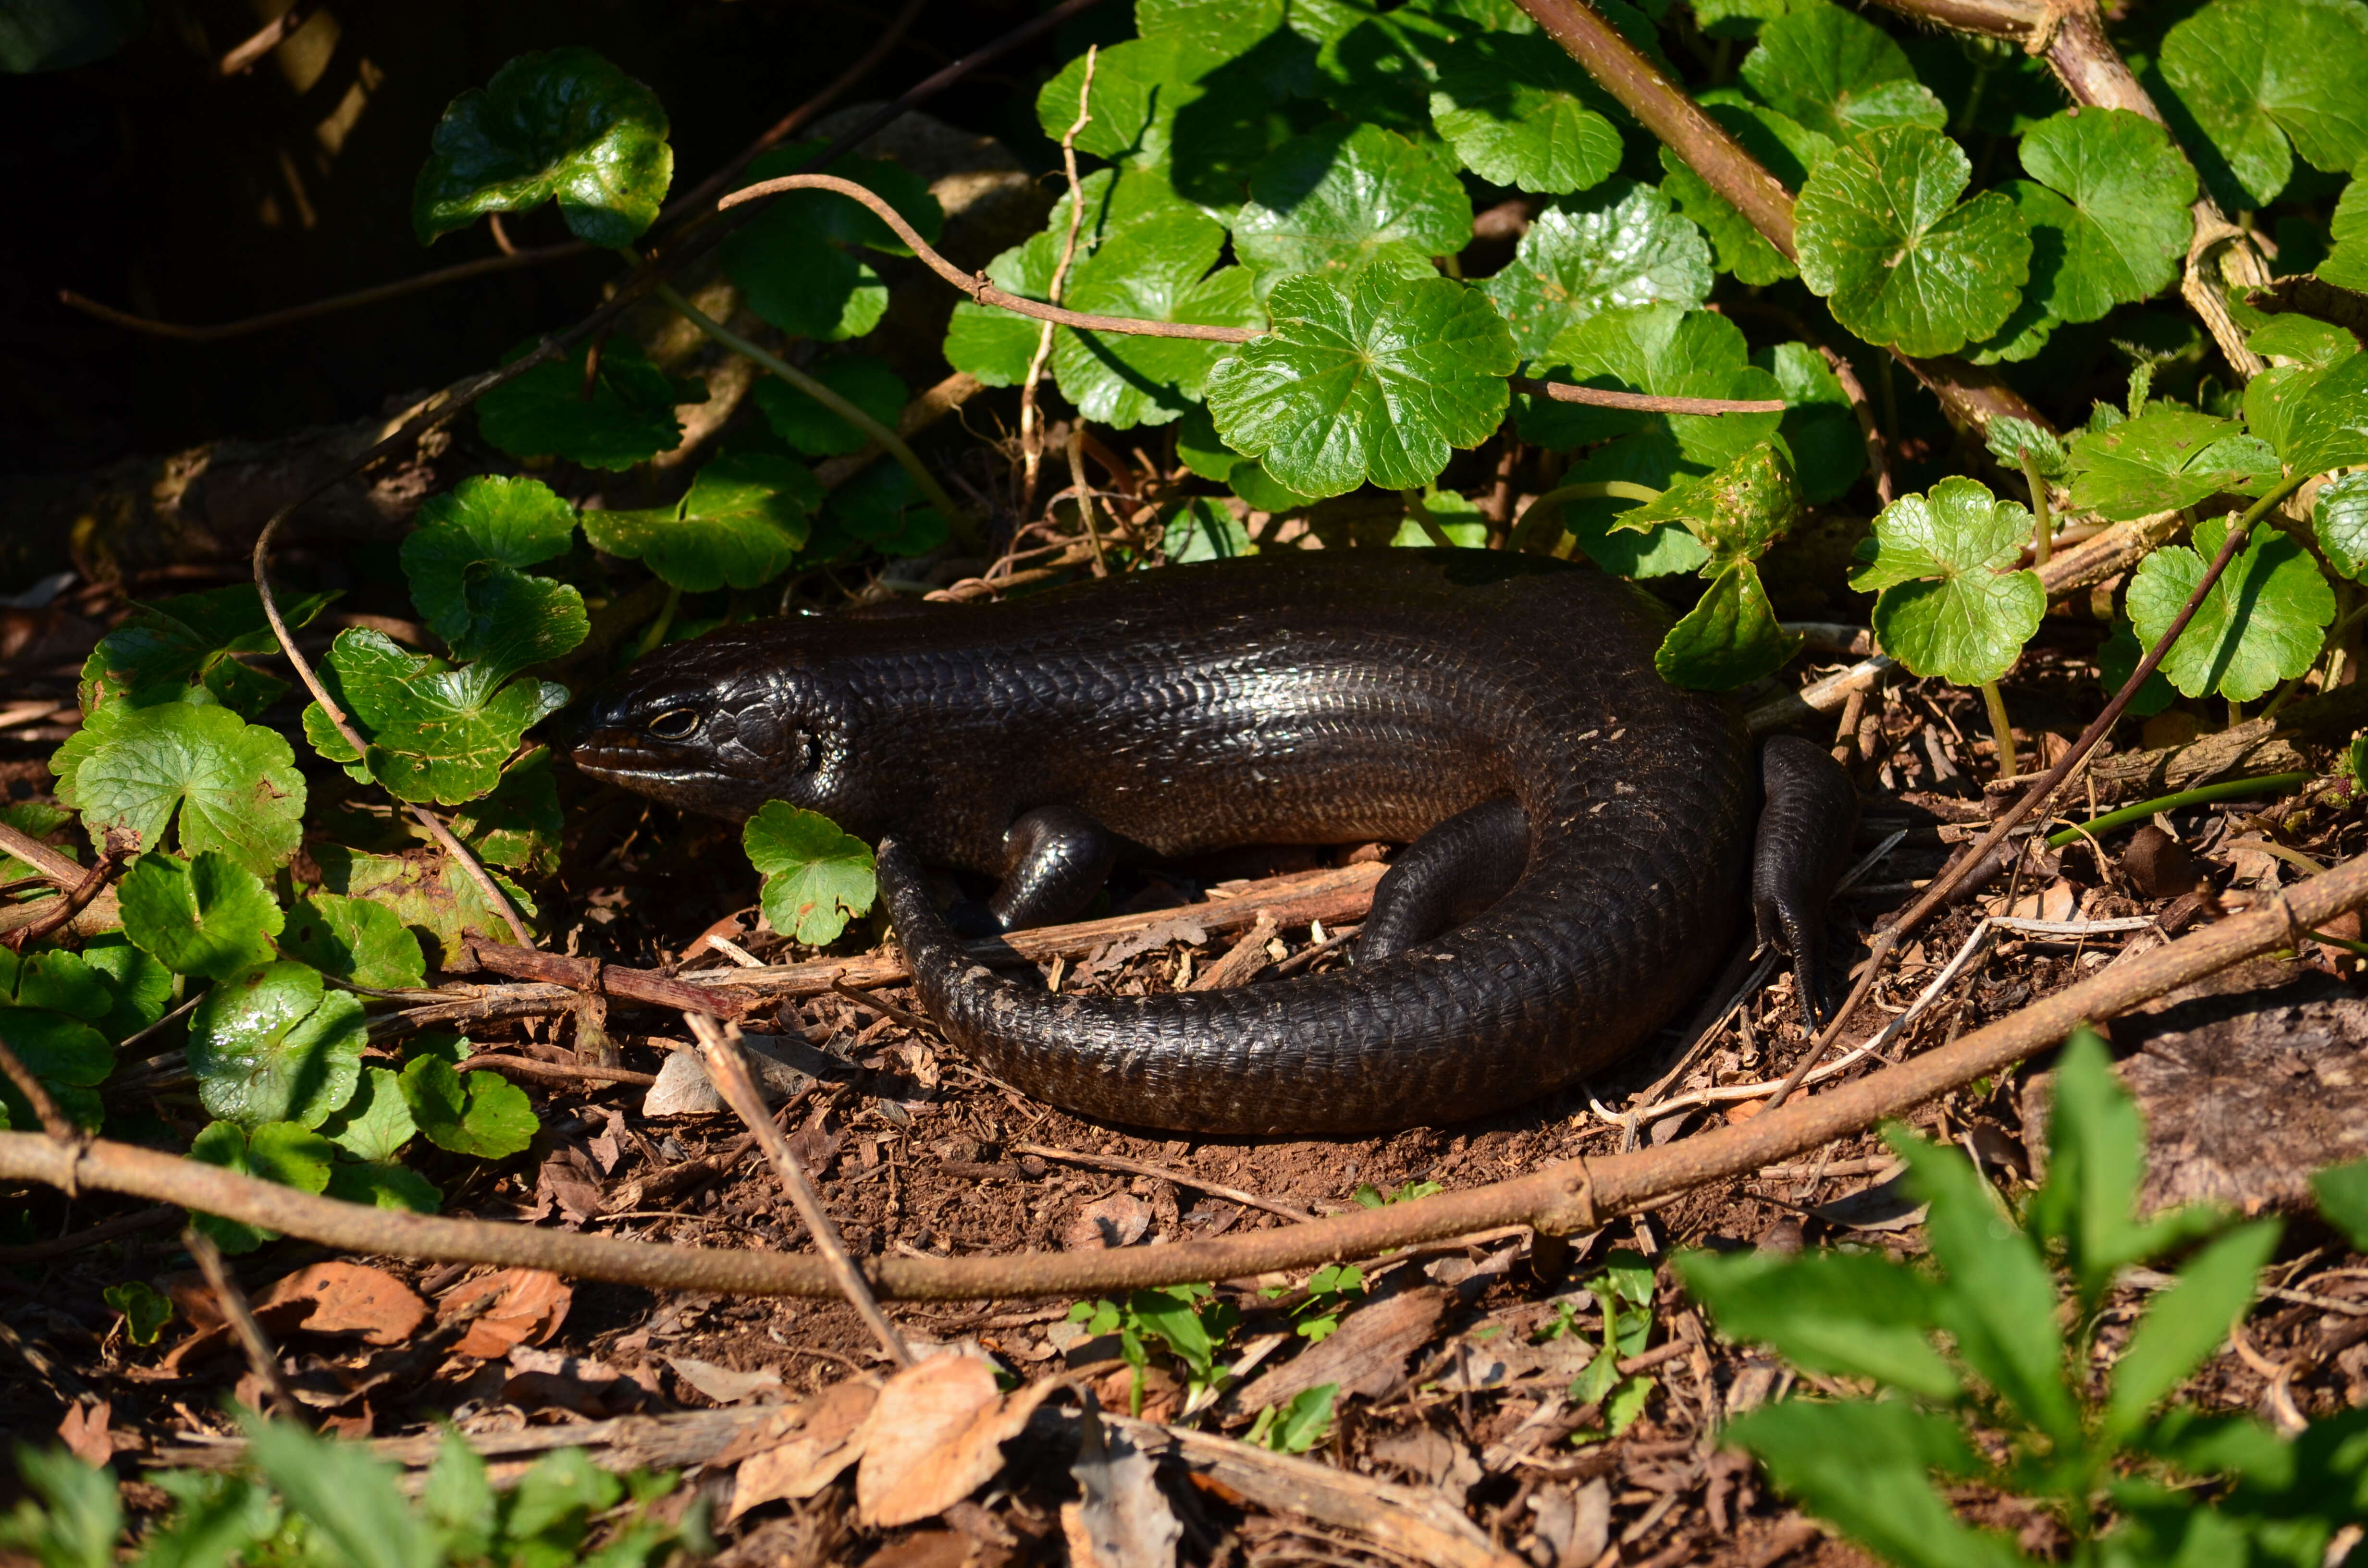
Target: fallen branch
pixel 1563 1198
pixel 58 914
pixel 645 987
pixel 98 915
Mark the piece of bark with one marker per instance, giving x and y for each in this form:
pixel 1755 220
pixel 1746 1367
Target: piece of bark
pixel 1367 1354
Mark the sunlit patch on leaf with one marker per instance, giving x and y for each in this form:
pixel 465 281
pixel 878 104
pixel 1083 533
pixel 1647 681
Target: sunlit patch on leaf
pixel 2164 458
pixel 1664 351
pixel 1619 247
pixel 208 915
pixel 1520 111
pixel 469 1113
pixel 1838 74
pixel 233 786
pixel 517 522
pixel 427 890
pixel 1345 199
pixel 273 1044
pixel 815 876
pixel 1952 601
pixel 741 524
pixel 2264 621
pixel 357 940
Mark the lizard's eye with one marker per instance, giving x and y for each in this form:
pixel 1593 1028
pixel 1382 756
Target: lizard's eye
pixel 676 724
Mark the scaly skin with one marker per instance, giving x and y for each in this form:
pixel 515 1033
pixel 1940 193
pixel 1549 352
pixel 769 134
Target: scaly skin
pixel 1318 698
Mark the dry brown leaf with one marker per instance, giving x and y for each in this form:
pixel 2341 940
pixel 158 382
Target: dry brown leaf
pixel 1116 1221
pixel 84 1434
pixel 520 1305
pixel 724 1384
pixel 346 1298
pixel 1121 1520
pixel 826 1440
pixel 936 1437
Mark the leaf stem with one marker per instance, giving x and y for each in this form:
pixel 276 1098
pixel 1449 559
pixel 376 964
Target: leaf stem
pixel 2203 794
pixel 1424 520
pixel 656 635
pixel 887 440
pixel 2002 728
pixel 1546 507
pixel 2043 531
pixel 1031 436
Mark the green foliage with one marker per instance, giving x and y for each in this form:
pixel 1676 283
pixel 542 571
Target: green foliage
pixel 815 876
pixel 1372 1197
pixel 1899 259
pixel 515 522
pixel 1330 1292
pixel 2262 623
pixel 2258 73
pixel 429 892
pixel 796 260
pixel 817 431
pixel 377 1122
pixel 1298 1425
pixel 1619 247
pixel 1185 1321
pixel 1519 111
pixel 1377 381
pixel 1784 147
pixel 1622 1294
pixel 2109 216
pixel 565 125
pixel 629 415
pixel 275 1150
pixel 2164 458
pixel 1980 1343
pixel 1952 600
pixel 1155 270
pixel 1838 74
pixel 145 1310
pixel 274 1044
pixel 2346 265
pixel 1343 200
pixel 356 940
pixel 232 786
pixel 519 825
pixel 740 525
pixel 189 650
pixel 469 1113
pixel 1730 638
pixel 208 915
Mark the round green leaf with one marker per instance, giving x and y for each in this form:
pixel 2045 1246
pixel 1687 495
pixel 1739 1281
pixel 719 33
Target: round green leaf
pixel 145 1310
pixel 519 825
pixel 154 653
pixel 234 784
pixel 1377 381
pixel 997 346
pixel 274 1045
pixel 1664 351
pixel 2346 265
pixel 2297 339
pixel 2123 223
pixel 2256 73
pixel 2340 514
pixel 1149 107
pixel 280 1151
pixel 356 940
pixel 565 124
pixel 2262 623
pixel 1951 601
pixel 1345 198
pixel 1617 248
pixel 1158 271
pixel 1729 639
pixel 816 431
pixel 2117 660
pixel 427 890
pixel 1882 237
pixel 376 1123
pixel 1516 109
pixel 515 521
pixel 740 525
pixel 2314 420
pixel 1737 511
pixel 143 987
pixel 469 1113
pixel 628 416
pixel 208 915
pixel 815 876
pixel 1203 529
pixel 1836 72
pixel 1784 148
pixel 2167 458
pixel 58 982
pixel 384 1184
pixel 434 733
pixel 55 1047
pixel 795 261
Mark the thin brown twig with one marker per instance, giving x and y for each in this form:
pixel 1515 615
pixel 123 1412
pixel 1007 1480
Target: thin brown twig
pixel 1878 450
pixel 77 898
pixel 1031 436
pixel 1645 403
pixel 262 1360
pixel 95 1236
pixel 1084 493
pixel 556 1072
pixel 727 1068
pixel 53 1121
pixel 267 38
pixel 1161 1173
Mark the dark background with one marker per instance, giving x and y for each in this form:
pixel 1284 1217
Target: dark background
pixel 146 181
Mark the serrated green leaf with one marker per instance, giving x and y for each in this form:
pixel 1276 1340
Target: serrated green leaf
pixel 2187 1322
pixel 1619 247
pixel 1344 199
pixel 1865 1466
pixel 279 1151
pixel 1737 510
pixel 1651 460
pixel 1380 68
pixel 356 940
pixel 2257 73
pixel 2124 191
pixel 1729 639
pixel 815 876
pixel 628 416
pixel 433 895
pixel 1520 111
pixel 2262 623
pixel 58 982
pixel 817 431
pixel 1147 109
pixel 1817 425
pixel 153 654
pixel 234 784
pixel 1900 261
pixel 1666 352
pixel 1998 1301
pixel 2164 458
pixel 384 1184
pixel 1203 529
pixel 1157 270
pixel 2297 339
pixel 565 125
pixel 2314 420
pixel 1377 381
pixel 1952 601
pixel 145 1310
pixel 1838 74
pixel 143 987
pixel 2346 265
pixel 515 521
pixel 2341 516
pixel 1848 1314
pixel 519 823
pixel 469 1113
pixel 376 1123
pixel 796 263
pixel 2009 439
pixel 274 1045
pixel 434 733
pixel 2343 1193
pixel 740 525
pixel 1784 147
pixel 206 916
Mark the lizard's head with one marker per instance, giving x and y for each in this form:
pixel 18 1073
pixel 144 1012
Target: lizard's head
pixel 721 724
